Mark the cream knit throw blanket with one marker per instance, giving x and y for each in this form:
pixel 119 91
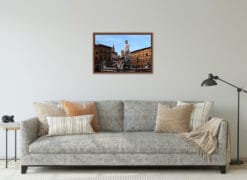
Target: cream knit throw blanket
pixel 206 138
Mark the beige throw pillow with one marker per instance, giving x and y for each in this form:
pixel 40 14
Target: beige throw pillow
pixel 59 126
pixel 173 120
pixel 200 113
pixel 43 110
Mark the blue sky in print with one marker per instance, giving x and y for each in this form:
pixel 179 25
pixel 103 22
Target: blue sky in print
pixel 135 41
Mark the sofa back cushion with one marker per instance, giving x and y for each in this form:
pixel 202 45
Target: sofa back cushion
pixel 110 114
pixel 141 115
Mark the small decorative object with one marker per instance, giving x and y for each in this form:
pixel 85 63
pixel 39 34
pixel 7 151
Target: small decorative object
pixel 8 119
pixel 211 82
pixel 122 53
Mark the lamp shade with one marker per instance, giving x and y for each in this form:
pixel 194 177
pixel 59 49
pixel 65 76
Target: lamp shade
pixel 210 81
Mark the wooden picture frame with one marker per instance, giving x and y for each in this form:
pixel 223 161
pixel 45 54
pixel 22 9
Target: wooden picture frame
pixel 123 52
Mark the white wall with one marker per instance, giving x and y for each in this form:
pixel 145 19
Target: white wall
pixel 46 53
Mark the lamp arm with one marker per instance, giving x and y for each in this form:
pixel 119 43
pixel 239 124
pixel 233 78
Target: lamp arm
pixel 238 88
pixel 228 83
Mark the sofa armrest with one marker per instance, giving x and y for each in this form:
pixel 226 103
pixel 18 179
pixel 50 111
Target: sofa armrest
pixel 223 136
pixel 29 132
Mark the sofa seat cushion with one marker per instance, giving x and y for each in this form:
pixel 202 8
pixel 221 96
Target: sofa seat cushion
pixel 118 142
pixel 109 142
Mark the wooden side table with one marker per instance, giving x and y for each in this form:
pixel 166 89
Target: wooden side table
pixel 9 127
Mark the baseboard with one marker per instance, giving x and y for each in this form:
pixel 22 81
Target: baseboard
pixel 244 159
pixel 3 159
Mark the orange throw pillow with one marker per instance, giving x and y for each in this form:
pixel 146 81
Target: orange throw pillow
pixel 77 109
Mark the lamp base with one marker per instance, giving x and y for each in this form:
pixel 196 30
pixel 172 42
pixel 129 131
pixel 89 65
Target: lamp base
pixel 236 162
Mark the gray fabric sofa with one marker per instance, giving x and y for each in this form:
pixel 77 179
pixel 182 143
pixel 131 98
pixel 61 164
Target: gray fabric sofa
pixel 126 138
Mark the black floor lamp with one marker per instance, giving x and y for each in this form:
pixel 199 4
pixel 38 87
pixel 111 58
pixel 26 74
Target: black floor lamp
pixel 211 82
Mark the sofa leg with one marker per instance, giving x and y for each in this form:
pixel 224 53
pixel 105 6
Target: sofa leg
pixel 24 169
pixel 223 169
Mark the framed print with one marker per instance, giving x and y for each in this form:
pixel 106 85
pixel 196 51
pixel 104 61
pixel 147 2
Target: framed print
pixel 122 52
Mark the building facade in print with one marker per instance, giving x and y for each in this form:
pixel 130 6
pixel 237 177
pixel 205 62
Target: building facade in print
pixel 141 58
pixel 102 55
pixel 114 55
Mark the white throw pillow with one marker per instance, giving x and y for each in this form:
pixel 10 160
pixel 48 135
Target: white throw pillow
pixel 200 113
pixel 71 125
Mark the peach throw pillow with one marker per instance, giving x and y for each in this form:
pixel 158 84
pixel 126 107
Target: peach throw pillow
pixel 78 109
